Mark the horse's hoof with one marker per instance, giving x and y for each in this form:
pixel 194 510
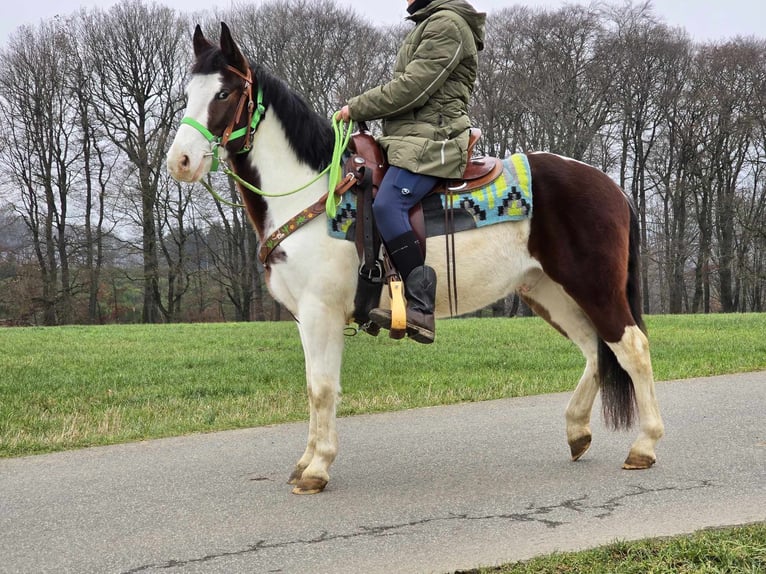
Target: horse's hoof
pixel 296 474
pixel 309 486
pixel 580 446
pixel 638 461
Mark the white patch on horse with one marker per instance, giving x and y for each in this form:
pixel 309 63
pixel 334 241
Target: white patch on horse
pixel 281 172
pixel 632 352
pixel 502 248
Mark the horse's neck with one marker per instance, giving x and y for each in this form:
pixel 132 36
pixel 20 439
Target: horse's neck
pixel 281 171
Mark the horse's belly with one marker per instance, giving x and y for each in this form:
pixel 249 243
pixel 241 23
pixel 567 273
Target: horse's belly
pixel 490 263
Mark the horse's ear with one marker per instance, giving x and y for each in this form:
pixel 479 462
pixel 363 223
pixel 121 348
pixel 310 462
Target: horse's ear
pixel 201 43
pixel 231 51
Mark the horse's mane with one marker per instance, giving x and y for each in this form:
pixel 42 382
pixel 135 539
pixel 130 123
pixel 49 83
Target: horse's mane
pixel 309 134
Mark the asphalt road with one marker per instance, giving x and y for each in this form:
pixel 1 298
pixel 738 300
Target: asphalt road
pixel 427 490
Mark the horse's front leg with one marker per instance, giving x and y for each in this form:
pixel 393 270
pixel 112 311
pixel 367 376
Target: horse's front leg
pixel 308 454
pixel 321 332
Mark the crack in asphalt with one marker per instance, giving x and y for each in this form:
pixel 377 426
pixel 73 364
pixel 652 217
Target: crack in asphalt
pixel 535 514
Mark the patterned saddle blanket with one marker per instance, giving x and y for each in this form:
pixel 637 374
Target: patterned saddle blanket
pixel 508 198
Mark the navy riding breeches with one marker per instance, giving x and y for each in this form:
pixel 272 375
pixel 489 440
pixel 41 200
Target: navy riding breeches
pixel 400 190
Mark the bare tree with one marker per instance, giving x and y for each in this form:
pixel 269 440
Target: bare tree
pixel 324 51
pixel 138 55
pixel 651 67
pixel 173 234
pixel 730 71
pixel 97 168
pixel 235 257
pixel 500 101
pixel 41 119
pixel 569 86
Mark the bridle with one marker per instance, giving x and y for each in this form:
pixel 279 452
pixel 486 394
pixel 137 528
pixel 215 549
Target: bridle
pixel 255 111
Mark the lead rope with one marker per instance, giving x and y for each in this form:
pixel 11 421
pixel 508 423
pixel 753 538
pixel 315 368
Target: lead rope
pixel 342 131
pixel 342 137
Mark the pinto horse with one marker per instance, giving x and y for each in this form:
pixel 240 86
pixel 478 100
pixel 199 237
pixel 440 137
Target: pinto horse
pixel 574 261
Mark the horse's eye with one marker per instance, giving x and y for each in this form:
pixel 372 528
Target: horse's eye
pixel 222 95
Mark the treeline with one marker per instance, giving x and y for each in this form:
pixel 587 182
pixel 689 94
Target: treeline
pixel 92 229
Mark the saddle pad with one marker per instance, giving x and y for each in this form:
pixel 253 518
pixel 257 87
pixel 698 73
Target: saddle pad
pixel 508 198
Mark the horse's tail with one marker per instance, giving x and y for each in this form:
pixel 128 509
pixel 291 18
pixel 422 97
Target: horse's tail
pixel 617 394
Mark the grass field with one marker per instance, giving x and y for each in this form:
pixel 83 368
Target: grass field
pixel 70 387
pixel 739 550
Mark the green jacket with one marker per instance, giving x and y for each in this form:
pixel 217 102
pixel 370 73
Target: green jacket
pixel 424 107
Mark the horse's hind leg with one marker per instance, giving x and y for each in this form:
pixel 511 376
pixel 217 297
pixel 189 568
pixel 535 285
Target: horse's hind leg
pixel 625 372
pixel 549 300
pixel 632 353
pixel 580 406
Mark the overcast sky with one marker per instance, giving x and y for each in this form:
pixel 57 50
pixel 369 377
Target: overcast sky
pixel 704 20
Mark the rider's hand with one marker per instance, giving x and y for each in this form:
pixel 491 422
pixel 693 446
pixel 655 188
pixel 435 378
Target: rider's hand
pixel 344 114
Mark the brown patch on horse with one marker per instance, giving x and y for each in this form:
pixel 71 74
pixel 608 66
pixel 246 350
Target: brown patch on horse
pixel 572 201
pixel 542 312
pixel 255 205
pixel 224 114
pixel 220 113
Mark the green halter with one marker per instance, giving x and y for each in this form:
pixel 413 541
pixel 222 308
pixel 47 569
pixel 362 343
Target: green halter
pixel 215 141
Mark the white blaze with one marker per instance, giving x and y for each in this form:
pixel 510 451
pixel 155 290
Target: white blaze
pixel 189 156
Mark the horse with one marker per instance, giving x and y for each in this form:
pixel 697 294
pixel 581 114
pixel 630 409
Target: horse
pixel 574 261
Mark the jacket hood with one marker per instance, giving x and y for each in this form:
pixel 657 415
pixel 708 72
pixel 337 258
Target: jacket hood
pixel 475 20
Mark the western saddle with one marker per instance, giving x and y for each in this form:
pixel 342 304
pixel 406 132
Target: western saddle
pixel 366 154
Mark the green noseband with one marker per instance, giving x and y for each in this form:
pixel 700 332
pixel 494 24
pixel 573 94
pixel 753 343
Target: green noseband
pixel 215 141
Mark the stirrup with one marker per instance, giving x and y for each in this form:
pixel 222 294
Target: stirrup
pixel 398 327
pixel 415 331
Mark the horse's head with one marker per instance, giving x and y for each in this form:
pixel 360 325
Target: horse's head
pixel 222 111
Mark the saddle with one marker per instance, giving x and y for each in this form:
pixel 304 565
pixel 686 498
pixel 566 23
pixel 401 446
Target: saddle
pixel 366 154
pixel 367 158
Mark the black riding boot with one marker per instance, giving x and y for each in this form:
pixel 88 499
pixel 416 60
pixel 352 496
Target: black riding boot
pixel 405 253
pixel 420 291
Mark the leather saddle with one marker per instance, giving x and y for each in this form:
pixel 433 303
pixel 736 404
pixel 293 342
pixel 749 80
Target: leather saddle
pixel 367 156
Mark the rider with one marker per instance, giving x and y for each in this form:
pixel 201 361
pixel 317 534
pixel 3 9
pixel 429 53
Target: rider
pixel 424 109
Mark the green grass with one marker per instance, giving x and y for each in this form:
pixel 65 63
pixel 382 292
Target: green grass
pixel 72 387
pixel 740 550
